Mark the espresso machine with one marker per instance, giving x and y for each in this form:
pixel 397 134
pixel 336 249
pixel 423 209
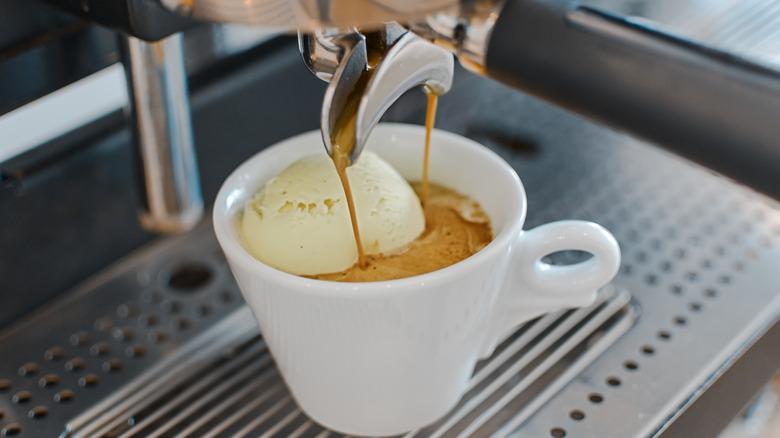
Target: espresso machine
pixel 109 329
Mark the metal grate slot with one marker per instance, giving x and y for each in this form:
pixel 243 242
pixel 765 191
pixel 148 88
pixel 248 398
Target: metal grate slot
pixel 225 409
pixel 193 397
pixel 532 365
pixel 241 394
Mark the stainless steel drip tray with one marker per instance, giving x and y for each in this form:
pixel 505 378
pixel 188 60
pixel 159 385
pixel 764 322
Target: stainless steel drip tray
pixel 235 390
pixel 162 345
pixel 72 356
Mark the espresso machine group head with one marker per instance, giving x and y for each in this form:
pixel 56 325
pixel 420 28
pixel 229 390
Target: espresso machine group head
pixel 703 103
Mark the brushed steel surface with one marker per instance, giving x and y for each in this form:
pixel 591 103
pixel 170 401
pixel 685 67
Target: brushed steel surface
pixel 700 257
pixel 162 129
pixel 77 353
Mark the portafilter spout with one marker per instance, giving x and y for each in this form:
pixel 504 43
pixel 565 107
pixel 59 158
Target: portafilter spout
pixel 373 81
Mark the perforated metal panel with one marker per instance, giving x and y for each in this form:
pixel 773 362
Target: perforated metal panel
pixel 701 258
pixel 117 327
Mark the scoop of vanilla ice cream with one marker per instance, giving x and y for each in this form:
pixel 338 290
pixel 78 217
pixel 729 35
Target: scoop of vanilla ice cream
pixel 299 222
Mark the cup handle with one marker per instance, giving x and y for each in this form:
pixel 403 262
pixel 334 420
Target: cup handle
pixel 533 287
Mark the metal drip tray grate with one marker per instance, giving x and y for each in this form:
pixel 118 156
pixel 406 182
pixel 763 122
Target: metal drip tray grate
pixel 240 393
pixel 533 364
pixel 156 363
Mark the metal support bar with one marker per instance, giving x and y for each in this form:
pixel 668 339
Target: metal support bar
pixel 162 130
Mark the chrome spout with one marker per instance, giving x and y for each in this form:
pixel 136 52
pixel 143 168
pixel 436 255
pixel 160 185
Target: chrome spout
pixel 408 61
pixel 162 133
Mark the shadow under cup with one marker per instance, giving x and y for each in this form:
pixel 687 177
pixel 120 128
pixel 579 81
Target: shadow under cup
pixel 379 358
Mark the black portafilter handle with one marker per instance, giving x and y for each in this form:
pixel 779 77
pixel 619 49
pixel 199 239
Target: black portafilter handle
pixel 710 106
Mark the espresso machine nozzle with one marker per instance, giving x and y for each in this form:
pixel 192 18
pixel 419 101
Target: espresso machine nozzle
pixel 367 75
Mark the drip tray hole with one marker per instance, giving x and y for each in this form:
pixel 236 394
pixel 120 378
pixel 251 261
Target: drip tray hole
pixel 188 277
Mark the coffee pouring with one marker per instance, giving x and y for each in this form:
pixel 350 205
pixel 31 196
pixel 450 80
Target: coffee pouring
pixel 402 60
pixel 389 340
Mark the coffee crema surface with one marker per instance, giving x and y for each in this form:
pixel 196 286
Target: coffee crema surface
pixel 456 228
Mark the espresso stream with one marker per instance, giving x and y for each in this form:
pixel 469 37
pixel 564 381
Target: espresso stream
pixel 455 228
pixel 343 142
pixel 430 118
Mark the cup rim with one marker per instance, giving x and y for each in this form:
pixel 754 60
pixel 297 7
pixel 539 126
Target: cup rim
pixel 237 254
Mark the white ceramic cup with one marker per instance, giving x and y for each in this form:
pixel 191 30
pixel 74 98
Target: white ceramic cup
pixel 387 357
